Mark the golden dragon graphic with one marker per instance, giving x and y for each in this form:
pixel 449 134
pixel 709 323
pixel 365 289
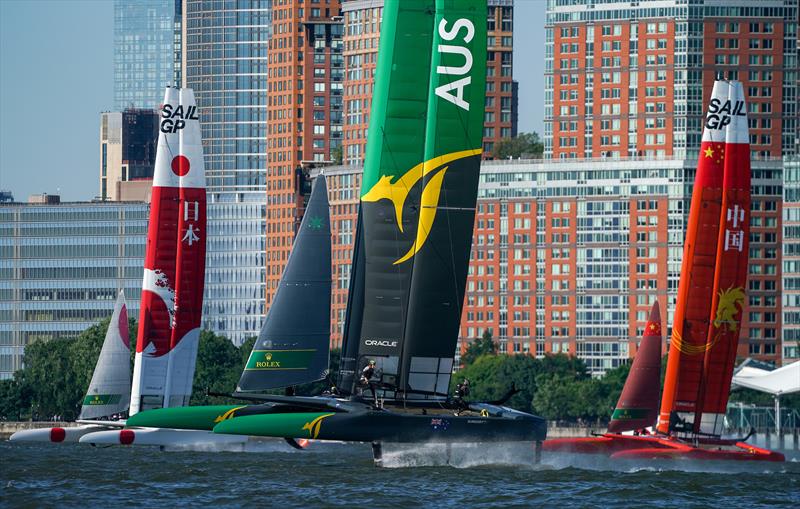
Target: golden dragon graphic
pixel 397 192
pixel 731 301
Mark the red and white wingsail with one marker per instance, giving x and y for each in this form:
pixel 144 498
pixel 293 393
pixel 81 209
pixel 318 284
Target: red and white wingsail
pixel 174 267
pixel 711 292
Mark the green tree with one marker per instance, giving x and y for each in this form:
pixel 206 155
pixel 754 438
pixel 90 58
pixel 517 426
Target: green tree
pixel 484 345
pixel 14 402
pixel 336 155
pixel 219 364
pixel 525 145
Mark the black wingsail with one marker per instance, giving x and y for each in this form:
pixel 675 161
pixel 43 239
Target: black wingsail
pixel 355 311
pixel 294 344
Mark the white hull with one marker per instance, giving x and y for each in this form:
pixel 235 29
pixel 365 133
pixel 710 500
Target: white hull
pixel 55 435
pixel 172 438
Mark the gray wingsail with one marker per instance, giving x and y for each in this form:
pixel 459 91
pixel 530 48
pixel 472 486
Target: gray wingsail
pixel 294 344
pixel 110 389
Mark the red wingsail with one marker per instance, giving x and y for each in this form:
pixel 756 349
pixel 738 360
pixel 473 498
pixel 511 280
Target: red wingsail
pixel 172 291
pixel 711 292
pixel 731 272
pixel 637 407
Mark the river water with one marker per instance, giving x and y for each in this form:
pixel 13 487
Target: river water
pixel 343 475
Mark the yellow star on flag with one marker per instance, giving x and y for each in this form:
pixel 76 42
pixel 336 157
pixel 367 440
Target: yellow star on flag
pixel 709 152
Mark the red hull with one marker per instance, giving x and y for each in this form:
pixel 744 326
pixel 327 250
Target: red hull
pixel 654 447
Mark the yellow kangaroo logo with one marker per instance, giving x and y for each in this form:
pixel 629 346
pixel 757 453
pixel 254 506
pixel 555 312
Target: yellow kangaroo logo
pixel 226 415
pixel 727 308
pixel 314 426
pixel 397 193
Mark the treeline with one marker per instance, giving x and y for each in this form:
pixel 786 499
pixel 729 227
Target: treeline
pixel 558 387
pixel 57 373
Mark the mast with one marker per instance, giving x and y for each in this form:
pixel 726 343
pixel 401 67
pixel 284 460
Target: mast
pixel 110 389
pixel 450 174
pixel 710 292
pixel 731 271
pixel 419 189
pixel 293 346
pixel 172 290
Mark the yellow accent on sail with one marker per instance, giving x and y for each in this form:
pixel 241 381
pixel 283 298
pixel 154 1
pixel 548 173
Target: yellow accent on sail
pixel 726 310
pixel 397 193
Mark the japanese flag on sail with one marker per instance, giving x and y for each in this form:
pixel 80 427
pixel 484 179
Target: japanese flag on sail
pixel 174 270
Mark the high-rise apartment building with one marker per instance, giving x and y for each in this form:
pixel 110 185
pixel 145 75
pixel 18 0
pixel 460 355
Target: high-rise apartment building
pixel 128 141
pixel 146 51
pixel 790 253
pixel 304 115
pixel 568 259
pixel 500 116
pixel 362 19
pixel 625 79
pixel 224 59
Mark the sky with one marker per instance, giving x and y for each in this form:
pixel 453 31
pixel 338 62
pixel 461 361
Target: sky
pixel 56 77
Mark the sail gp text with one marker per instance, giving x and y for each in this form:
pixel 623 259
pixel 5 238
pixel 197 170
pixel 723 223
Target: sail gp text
pixel 174 119
pixel 720 113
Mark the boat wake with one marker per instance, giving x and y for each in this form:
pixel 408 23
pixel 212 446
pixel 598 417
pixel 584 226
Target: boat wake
pixel 461 455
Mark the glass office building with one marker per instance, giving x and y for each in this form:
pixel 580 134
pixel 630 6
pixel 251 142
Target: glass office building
pixel 146 51
pixel 61 266
pixel 226 65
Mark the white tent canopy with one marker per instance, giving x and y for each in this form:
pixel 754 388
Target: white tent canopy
pixel 784 380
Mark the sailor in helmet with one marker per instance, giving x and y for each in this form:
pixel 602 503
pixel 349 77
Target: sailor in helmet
pixel 366 380
pixel 462 390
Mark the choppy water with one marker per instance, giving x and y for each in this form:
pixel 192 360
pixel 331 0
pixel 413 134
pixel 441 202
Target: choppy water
pixel 272 474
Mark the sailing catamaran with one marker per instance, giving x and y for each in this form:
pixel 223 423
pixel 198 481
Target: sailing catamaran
pixel 708 313
pixel 418 202
pixel 109 391
pixel 411 256
pixel 292 348
pixel 174 267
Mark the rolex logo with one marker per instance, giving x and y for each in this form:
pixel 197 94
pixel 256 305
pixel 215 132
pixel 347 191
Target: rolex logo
pixel 268 357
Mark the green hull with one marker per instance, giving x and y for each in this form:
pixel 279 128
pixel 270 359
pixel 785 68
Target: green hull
pixel 188 417
pixel 384 426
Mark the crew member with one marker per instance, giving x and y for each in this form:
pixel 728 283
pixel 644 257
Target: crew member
pixel 366 380
pixel 462 391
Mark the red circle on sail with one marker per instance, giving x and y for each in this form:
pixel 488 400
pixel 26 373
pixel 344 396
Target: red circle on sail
pixel 57 434
pixel 180 165
pixel 123 326
pixel 126 436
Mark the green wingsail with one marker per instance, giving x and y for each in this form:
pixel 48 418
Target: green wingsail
pixel 419 187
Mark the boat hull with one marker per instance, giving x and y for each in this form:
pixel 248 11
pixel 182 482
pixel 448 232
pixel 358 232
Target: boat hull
pixel 159 437
pixel 654 447
pixel 54 435
pixel 385 426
